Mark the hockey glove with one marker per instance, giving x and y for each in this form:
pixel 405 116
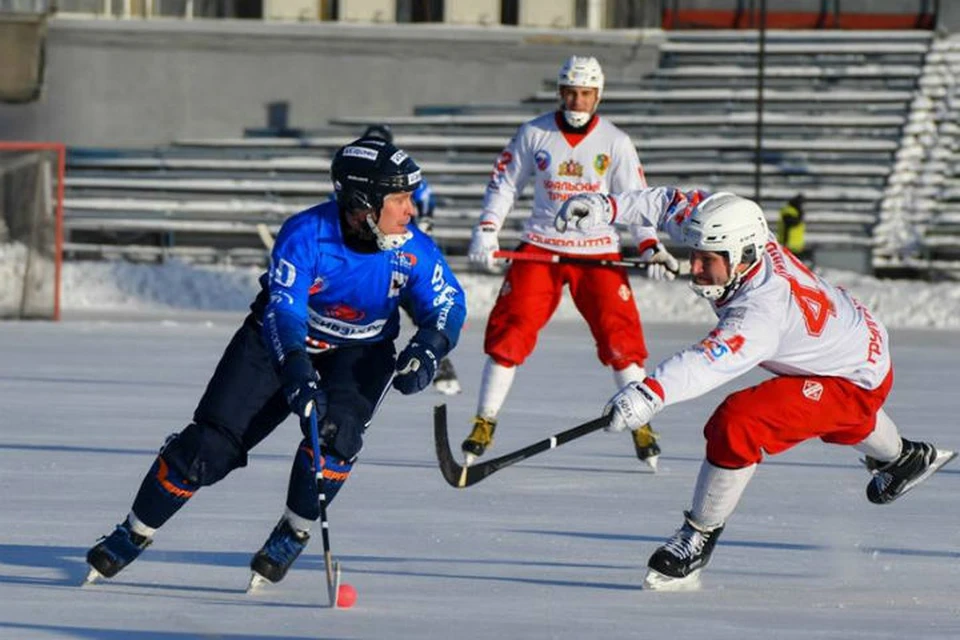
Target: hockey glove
pixel 299 380
pixel 586 211
pixel 417 363
pixel 483 244
pixel 661 265
pixel 634 405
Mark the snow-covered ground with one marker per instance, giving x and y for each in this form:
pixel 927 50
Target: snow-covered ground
pixel 125 287
pixel 554 547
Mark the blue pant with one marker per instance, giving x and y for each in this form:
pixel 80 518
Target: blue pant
pixel 244 402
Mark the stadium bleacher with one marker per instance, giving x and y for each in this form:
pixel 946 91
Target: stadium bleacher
pixel 836 105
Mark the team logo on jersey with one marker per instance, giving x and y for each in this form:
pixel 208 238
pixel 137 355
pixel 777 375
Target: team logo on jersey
pixel 812 390
pixel 317 286
pixel 505 158
pixel 714 346
pixel 624 292
pixel 542 158
pixel 397 281
pixel 601 163
pixel 343 312
pixel 571 168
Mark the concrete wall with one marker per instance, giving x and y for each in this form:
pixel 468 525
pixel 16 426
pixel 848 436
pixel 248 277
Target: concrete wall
pixel 133 83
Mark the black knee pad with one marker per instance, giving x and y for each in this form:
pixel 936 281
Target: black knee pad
pixel 203 454
pixel 342 434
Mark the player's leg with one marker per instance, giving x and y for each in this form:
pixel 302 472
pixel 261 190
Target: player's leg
pixel 242 403
pixel 528 297
pixel 355 379
pixel 605 299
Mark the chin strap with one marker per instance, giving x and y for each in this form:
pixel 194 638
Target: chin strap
pixel 577 119
pixel 385 241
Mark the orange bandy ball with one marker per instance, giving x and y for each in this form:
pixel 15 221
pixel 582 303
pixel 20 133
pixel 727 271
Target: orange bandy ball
pixel 346 596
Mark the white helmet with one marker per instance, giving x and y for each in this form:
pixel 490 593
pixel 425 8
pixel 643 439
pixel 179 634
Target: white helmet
pixel 580 71
pixel 726 223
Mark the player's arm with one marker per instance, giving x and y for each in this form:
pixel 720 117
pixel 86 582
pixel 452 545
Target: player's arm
pixel 290 276
pixel 438 307
pixel 512 170
pixel 743 338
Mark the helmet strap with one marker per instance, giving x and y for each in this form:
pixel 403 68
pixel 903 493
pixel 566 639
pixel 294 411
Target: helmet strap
pixel 386 241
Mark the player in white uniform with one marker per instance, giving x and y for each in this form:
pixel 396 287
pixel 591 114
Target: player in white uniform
pixel 830 356
pixel 564 153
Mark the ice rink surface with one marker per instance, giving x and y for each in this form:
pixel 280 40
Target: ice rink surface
pixel 554 547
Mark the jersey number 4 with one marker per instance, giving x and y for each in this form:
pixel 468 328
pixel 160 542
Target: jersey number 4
pixel 814 304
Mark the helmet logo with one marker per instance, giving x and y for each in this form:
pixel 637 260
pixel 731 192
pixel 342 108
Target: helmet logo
pixel 399 157
pixel 542 158
pixel 361 152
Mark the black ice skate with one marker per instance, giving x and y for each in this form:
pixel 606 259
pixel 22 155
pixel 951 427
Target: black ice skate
pixel 273 560
pixel 114 552
pixel 677 564
pixel 446 381
pixel 917 462
pixel 645 444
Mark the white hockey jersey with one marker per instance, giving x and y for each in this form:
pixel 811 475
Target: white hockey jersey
pixel 562 165
pixel 783 318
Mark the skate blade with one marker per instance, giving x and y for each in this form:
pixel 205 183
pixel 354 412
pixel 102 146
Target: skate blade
pixel 943 457
pixel 656 581
pixel 447 387
pixel 468 459
pixel 257 583
pixel 653 462
pixel 92 577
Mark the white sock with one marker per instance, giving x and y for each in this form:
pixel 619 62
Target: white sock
pixel 494 387
pixel 630 373
pixel 137 526
pixel 718 492
pixel 299 523
pixel 884 441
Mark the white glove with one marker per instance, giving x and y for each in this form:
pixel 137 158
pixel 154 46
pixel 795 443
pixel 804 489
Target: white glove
pixel 483 243
pixel 585 211
pixel 661 265
pixel 633 406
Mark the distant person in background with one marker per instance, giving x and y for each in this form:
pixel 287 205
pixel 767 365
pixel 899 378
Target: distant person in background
pixel 446 381
pixel 567 151
pixel 792 229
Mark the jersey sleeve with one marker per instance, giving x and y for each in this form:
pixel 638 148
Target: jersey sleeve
pixel 627 175
pixel 511 173
pixel 744 336
pixel 289 278
pixel 663 208
pixel 434 297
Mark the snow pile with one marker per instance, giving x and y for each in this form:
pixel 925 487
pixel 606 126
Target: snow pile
pixel 123 286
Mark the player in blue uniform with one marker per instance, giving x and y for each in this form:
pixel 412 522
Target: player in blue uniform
pixel 446 381
pixel 320 337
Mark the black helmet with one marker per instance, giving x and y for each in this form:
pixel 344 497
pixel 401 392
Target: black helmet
pixel 379 132
pixel 367 169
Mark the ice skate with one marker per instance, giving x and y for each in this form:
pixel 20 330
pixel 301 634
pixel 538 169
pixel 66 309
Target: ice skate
pixel 917 462
pixel 645 444
pixel 272 562
pixel 446 381
pixel 677 564
pixel 479 439
pixel 114 552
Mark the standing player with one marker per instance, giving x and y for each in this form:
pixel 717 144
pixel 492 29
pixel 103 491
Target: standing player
pixel 565 152
pixel 446 381
pixel 319 338
pixel 830 356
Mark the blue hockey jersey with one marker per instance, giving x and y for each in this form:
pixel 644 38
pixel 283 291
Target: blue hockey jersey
pixel 323 294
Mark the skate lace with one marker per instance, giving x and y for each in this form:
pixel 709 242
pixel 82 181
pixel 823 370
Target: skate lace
pixel 686 543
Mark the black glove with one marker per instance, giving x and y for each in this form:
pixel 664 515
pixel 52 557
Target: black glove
pixel 417 363
pixel 300 380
